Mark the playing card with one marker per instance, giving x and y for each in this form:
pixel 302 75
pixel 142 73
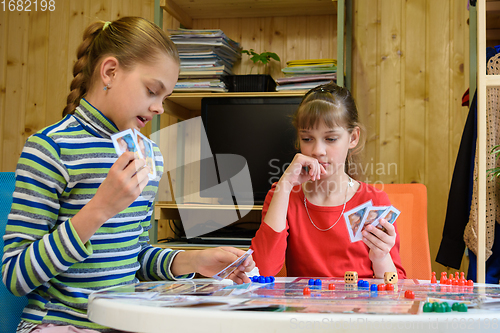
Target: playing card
pixel 146 148
pixel 232 267
pixel 390 214
pixel 125 141
pixel 353 220
pixel 372 216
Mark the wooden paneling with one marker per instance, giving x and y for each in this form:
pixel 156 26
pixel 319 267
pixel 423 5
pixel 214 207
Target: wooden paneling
pixel 410 69
pixel 292 38
pixel 409 74
pixel 37 53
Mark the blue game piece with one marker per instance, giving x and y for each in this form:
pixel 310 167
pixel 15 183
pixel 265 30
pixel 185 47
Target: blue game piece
pixel 255 278
pixel 317 282
pixel 272 279
pixel 311 282
pixel 262 279
pixel 360 283
pixel 373 287
pixel 365 284
pixel 268 279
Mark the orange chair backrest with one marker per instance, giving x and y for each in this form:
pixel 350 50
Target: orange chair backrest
pixel 411 201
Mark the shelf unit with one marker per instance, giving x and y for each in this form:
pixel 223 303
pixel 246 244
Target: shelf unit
pixel 188 105
pixel 483 82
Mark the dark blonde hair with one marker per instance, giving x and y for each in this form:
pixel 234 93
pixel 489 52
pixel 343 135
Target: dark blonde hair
pixel 333 106
pixel 131 40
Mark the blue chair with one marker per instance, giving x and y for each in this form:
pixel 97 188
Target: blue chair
pixel 11 306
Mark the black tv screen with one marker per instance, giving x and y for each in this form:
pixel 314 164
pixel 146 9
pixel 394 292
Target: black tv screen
pixel 257 128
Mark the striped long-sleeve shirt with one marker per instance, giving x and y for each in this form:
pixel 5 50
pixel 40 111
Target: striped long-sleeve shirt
pixel 59 171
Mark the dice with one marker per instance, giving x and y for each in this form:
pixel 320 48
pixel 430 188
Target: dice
pixel 351 277
pixel 390 277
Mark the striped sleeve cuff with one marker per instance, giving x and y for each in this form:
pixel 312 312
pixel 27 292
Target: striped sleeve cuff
pixel 168 264
pixel 72 242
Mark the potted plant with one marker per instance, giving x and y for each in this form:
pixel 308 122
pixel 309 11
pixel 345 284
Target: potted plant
pixel 254 82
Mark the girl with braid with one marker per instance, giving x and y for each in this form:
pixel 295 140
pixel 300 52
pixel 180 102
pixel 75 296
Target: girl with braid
pixel 80 215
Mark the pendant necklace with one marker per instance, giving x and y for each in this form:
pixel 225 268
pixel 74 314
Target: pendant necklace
pixel 349 184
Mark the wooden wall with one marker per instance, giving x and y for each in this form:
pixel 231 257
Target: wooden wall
pixel 37 53
pixel 410 70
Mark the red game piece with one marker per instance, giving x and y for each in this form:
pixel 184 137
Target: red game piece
pixel 456 275
pixel 389 287
pixel 306 291
pixel 331 286
pixel 461 282
pixel 409 294
pixel 443 278
pixel 433 278
pixel 470 283
pixel 381 287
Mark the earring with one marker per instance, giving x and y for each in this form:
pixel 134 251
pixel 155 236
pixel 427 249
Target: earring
pixel 106 87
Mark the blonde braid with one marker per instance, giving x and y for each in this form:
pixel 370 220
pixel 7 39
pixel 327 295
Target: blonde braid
pixel 81 72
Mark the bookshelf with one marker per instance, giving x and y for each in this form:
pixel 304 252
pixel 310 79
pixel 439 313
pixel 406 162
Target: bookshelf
pixel 294 29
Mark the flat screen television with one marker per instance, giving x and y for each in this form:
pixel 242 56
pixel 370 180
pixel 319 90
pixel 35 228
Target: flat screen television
pixel 260 130
pixel 257 128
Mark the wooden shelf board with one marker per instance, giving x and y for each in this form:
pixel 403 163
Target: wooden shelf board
pixel 203 9
pixel 186 246
pixel 192 101
pixel 161 205
pixel 492 80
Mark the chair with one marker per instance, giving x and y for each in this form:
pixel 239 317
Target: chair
pixel 11 306
pixel 411 201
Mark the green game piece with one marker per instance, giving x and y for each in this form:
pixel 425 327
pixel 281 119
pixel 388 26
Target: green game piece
pixel 439 307
pixel 462 307
pixel 454 307
pixel 428 307
pixel 446 307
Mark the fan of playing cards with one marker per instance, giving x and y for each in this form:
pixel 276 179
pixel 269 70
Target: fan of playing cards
pixel 137 143
pixel 365 214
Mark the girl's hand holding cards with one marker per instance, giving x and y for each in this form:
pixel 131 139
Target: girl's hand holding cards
pixel 378 240
pixel 124 183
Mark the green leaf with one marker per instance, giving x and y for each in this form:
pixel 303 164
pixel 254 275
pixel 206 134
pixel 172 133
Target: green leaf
pixel 263 57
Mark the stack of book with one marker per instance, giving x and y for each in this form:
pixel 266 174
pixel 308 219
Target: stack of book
pixel 307 74
pixel 206 57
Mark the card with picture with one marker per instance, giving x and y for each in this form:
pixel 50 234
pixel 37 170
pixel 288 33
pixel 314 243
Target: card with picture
pixel 353 219
pixel 126 141
pixel 146 148
pixel 372 216
pixel 390 214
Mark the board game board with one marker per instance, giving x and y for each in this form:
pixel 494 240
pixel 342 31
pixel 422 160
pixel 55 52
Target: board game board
pixel 289 295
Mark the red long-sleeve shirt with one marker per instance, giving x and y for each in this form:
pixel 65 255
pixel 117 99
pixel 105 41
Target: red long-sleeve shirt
pixel 313 253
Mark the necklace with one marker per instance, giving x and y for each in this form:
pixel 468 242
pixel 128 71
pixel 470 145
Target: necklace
pixel 349 184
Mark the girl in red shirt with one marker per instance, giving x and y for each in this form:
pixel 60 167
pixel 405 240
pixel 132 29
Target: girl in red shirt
pixel 303 215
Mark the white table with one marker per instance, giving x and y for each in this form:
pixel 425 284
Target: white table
pixel 143 318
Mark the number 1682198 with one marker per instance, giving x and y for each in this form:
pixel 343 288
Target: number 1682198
pixel 28 5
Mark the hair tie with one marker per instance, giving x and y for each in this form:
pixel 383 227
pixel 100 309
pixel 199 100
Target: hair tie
pixel 106 25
